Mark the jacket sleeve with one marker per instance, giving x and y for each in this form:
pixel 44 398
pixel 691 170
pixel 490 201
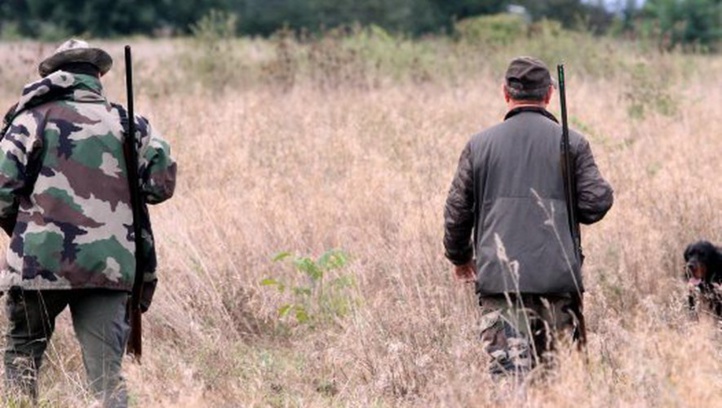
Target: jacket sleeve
pixel 594 194
pixel 18 145
pixel 459 212
pixel 157 168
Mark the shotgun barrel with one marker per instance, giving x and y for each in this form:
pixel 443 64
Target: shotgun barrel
pixel 135 343
pixel 570 193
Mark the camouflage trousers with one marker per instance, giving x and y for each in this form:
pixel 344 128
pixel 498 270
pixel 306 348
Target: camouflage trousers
pixel 100 325
pixel 521 332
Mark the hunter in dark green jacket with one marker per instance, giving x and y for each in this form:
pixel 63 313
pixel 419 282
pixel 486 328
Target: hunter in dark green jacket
pixel 506 224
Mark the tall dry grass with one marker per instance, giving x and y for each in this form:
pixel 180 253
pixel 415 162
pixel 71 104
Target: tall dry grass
pixel 306 167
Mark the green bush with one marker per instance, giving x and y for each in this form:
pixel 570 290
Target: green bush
pixel 333 63
pixel 322 295
pixel 212 59
pixel 282 69
pixel 499 29
pixel 694 25
pixel 10 30
pixel 649 91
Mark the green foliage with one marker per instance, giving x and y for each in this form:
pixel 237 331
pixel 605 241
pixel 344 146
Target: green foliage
pixel 377 53
pixel 323 294
pixel 107 18
pixel 405 16
pixel 283 68
pixel 104 18
pixel 649 91
pixel 492 29
pixel 371 57
pixel 572 14
pixel 582 53
pixel 691 24
pixel 215 26
pixel 352 57
pixel 51 32
pixel 17 401
pixel 10 31
pixel 461 9
pixel 100 17
pixel 181 15
pixel 334 61
pixel 212 58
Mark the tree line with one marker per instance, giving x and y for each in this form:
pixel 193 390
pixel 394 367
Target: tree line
pixel 695 22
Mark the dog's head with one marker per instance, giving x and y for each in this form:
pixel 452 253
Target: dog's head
pixel 703 263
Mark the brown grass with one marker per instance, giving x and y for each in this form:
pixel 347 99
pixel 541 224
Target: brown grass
pixel 366 169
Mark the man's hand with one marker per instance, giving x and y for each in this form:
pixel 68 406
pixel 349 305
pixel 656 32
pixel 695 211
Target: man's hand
pixel 146 294
pixel 466 272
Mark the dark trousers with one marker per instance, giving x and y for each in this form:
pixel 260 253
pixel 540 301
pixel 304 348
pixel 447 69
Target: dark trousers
pixel 100 325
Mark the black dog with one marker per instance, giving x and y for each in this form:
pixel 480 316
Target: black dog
pixel 703 270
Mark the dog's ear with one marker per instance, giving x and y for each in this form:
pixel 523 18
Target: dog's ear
pixel 687 252
pixel 716 265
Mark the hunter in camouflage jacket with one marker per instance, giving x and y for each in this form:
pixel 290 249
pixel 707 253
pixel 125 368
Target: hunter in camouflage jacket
pixel 63 181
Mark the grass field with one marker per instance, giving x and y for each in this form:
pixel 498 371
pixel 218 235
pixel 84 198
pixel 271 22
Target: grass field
pixel 307 147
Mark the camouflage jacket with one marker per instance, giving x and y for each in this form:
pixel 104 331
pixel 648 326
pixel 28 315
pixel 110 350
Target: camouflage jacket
pixel 63 181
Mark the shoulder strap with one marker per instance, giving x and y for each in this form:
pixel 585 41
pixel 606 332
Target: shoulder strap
pixel 123 113
pixel 148 253
pixel 127 142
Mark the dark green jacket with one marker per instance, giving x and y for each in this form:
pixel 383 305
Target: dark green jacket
pixel 509 192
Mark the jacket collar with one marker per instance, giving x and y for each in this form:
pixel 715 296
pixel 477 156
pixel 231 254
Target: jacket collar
pixel 535 109
pixel 58 86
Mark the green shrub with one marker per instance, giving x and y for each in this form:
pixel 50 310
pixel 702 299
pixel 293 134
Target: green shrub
pixel 322 295
pixel 282 69
pixel 499 29
pixel 10 30
pixel 211 58
pixel 334 64
pixel 649 91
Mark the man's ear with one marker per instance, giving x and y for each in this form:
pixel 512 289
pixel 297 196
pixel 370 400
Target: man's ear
pixel 505 91
pixel 548 96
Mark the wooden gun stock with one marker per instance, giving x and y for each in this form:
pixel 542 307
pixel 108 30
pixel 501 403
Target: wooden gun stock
pixel 135 340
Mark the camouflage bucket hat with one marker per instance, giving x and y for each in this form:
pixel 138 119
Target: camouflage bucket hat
pixel 75 51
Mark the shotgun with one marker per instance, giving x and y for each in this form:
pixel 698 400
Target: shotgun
pixel 135 343
pixel 570 193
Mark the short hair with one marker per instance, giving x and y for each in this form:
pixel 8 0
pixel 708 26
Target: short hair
pixel 80 68
pixel 536 95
